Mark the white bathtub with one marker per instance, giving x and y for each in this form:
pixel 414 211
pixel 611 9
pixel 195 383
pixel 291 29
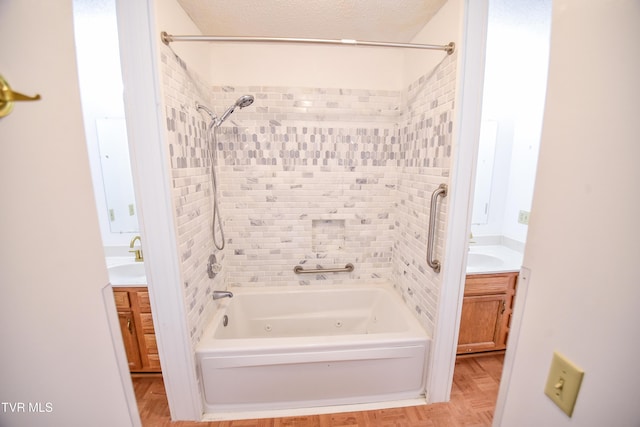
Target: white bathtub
pixel 286 348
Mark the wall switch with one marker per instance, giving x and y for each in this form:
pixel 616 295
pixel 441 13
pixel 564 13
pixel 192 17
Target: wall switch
pixel 563 383
pixel 523 217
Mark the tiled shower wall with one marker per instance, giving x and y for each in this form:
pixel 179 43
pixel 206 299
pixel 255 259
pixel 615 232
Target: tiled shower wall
pixel 308 180
pixel 188 152
pixel 314 177
pixel 426 137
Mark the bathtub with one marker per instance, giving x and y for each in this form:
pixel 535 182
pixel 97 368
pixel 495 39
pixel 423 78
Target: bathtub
pixel 286 348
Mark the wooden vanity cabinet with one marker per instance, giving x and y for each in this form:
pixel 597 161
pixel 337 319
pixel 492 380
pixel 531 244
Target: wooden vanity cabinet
pixel 486 312
pixel 136 326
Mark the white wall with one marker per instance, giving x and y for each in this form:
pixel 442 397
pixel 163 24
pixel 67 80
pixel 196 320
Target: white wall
pixel 332 66
pixel 240 64
pixel 56 341
pixel 171 18
pixel 306 66
pixel 443 28
pixel 582 246
pixel 514 89
pixel 325 66
pixel 524 38
pixel 101 90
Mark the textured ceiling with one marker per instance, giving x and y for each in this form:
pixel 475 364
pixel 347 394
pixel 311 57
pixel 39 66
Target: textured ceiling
pixel 373 20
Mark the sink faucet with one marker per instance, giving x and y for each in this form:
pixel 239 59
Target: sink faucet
pixel 137 252
pixel 222 294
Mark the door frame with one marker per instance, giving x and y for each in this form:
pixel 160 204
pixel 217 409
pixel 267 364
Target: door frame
pixel 469 87
pixel 143 99
pixel 151 180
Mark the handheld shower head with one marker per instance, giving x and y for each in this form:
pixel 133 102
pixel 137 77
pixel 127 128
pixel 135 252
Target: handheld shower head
pixel 243 101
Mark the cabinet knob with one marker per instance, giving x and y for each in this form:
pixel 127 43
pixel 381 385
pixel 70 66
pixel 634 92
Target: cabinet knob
pixel 504 307
pixel 129 325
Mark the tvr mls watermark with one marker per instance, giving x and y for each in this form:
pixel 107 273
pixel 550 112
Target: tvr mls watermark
pixel 26 407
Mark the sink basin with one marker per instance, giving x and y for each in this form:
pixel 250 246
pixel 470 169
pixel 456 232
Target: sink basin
pixel 127 274
pixel 483 260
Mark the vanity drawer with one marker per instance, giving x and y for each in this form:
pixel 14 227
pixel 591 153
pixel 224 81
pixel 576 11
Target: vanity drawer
pixel 122 300
pixel 484 284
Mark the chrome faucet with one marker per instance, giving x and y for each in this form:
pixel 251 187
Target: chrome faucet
pixel 137 252
pixel 222 294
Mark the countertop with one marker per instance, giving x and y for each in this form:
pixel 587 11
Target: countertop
pixel 488 259
pixel 124 271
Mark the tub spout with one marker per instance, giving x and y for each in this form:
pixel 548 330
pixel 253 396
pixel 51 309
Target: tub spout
pixel 222 294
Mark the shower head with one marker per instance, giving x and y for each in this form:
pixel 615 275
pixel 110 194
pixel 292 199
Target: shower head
pixel 206 110
pixel 213 117
pixel 243 101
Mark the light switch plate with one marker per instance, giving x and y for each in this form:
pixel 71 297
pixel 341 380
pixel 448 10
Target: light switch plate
pixel 563 383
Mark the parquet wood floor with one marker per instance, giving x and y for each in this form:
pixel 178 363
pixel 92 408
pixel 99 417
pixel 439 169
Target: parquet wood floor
pixel 473 397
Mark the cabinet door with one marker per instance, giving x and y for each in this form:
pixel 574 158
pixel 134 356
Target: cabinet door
pixel 138 333
pixel 146 333
pixel 482 323
pixel 129 337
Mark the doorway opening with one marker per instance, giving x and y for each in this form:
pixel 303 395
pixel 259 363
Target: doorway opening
pixel 101 90
pixel 517 52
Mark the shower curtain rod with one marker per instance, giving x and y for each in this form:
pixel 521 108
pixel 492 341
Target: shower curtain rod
pixel 170 38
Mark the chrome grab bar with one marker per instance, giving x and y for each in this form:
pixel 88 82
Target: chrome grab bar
pixel 299 270
pixel 440 191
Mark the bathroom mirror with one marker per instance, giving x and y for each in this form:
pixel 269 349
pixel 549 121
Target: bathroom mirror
pixel 484 171
pixel 101 91
pixel 116 175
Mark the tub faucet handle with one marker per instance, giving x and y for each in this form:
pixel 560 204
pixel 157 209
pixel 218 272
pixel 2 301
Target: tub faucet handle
pixel 222 294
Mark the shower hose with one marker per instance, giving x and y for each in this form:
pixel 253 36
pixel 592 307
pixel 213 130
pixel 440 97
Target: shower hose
pixel 215 219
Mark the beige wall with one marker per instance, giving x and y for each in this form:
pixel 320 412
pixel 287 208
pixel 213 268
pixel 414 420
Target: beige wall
pixel 171 18
pixel 238 64
pixel 582 246
pixel 332 66
pixel 57 357
pixel 446 26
